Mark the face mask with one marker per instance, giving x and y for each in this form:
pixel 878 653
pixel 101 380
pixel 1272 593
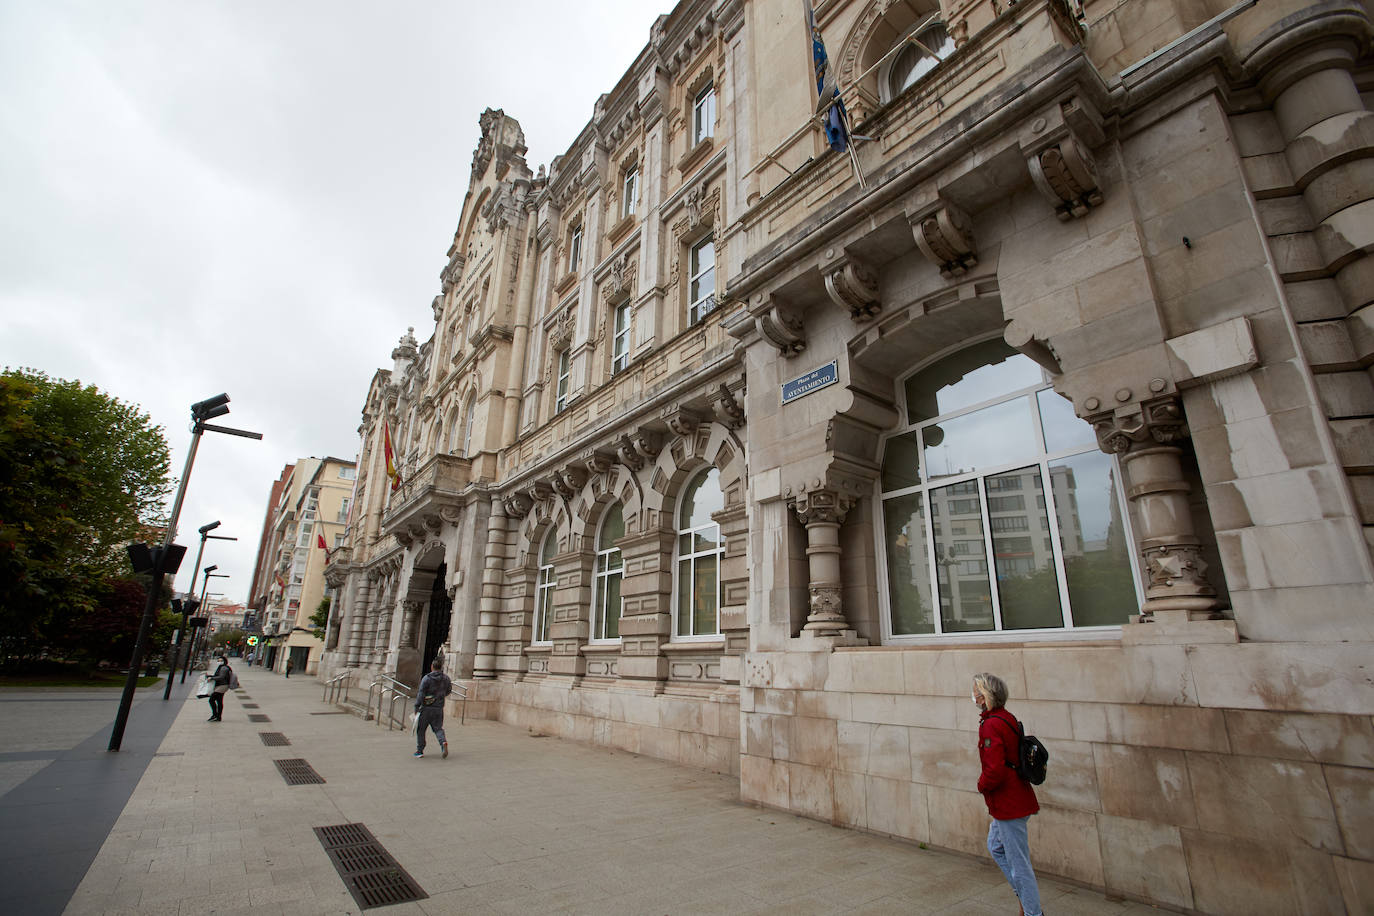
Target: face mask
pixel 975 700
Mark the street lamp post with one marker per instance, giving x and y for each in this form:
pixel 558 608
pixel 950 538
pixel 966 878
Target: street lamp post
pixel 188 606
pixel 166 558
pixel 198 643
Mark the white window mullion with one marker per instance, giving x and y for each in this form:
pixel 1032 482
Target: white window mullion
pixel 993 588
pixel 1052 516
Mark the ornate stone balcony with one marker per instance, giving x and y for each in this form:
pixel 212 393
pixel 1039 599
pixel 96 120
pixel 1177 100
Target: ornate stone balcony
pixel 427 498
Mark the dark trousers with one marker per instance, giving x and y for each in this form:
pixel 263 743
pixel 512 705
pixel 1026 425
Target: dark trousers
pixel 430 717
pixel 217 704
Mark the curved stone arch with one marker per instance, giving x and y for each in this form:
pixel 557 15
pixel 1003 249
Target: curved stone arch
pixel 546 514
pixel 710 444
pixel 883 21
pixel 618 483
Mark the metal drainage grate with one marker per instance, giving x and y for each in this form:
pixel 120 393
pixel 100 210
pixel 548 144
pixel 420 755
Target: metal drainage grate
pixel 369 872
pixel 259 717
pixel 297 772
pixel 274 739
pixel 250 705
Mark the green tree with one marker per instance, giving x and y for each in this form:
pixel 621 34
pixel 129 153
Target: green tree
pixel 234 637
pixel 81 475
pixel 320 619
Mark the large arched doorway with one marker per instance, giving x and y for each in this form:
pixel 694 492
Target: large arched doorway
pixel 439 619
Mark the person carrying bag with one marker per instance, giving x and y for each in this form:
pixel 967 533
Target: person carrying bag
pixel 429 707
pixel 222 678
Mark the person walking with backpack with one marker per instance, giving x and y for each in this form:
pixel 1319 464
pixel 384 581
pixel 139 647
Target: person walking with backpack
pixel 223 679
pixel 429 707
pixel 1009 797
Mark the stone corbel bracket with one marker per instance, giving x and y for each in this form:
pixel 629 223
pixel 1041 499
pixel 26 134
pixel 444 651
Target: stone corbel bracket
pixel 945 236
pixel 782 327
pixel 851 284
pixel 639 448
pixel 1132 425
pixel 517 505
pixel 1066 175
pixel 726 407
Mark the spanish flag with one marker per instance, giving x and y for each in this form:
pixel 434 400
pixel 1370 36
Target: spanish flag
pixel 391 471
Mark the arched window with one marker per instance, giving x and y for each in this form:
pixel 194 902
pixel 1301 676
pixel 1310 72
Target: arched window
pixel 920 54
pixel 454 442
pixel 999 511
pixel 543 591
pixel 699 551
pixel 606 604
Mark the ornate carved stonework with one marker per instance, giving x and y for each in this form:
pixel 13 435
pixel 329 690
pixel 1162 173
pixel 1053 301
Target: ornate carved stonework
pixel 683 422
pixel 517 505
pixel 1158 421
pixel 945 238
pixel 1066 174
pixel 854 287
pixel 620 282
pixel 638 448
pixel 822 506
pixel 726 407
pixel 599 462
pixel 782 327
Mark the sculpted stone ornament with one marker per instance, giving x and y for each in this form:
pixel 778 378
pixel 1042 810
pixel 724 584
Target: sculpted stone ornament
pixel 726 407
pixel 1159 421
pixel 945 238
pixel 782 327
pixel 1066 174
pixel 683 422
pixel 517 505
pixel 599 462
pixel 854 287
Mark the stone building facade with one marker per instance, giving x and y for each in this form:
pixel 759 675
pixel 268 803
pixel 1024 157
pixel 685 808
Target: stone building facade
pixel 730 449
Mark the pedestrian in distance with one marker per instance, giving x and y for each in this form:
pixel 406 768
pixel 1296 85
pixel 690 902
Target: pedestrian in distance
pixel 1010 799
pixel 288 667
pixel 429 707
pixel 223 678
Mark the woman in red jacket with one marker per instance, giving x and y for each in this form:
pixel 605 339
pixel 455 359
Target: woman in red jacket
pixel 1010 799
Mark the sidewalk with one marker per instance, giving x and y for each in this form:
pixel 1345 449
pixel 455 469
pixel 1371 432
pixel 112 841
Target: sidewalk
pixel 510 823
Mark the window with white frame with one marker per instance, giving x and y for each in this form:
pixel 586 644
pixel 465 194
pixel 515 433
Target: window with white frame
pixel 468 413
pixel 920 54
pixel 629 191
pixel 343 509
pixel 338 540
pixel 561 400
pixel 984 424
pixel 620 343
pixel 701 280
pixel 704 114
pixel 348 473
pixel 699 552
pixel 606 604
pixel 574 248
pixel 543 590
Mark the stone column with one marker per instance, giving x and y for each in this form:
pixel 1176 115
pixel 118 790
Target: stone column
pixel 489 610
pixel 822 511
pixel 410 624
pixel 646 592
pixel 1177 592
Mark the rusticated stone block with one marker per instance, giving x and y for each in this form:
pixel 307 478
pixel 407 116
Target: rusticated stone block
pixel 814 742
pixel 1347 740
pixel 958 820
pixel 851 799
pixel 940 757
pixel 1144 783
pixel 897 807
pixel 1356 878
pixel 1074 785
pixel 1283 800
pixel 1066 843
pixel 763 781
pixel 809 791
pixel 949 671
pixel 1144 859
pixel 1352 794
pixel 1231 874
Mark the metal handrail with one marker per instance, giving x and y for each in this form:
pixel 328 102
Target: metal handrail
pixel 396 693
pixel 462 693
pixel 387 677
pixel 371 687
pixel 334 683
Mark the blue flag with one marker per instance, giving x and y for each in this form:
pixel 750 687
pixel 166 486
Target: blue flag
pixel 827 91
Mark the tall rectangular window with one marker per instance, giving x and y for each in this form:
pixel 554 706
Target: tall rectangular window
pixel 704 114
pixel 561 402
pixel 701 282
pixel 629 190
pixel 620 346
pixel 574 249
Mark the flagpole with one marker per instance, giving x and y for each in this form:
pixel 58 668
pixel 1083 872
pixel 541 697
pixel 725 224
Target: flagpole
pixel 849 146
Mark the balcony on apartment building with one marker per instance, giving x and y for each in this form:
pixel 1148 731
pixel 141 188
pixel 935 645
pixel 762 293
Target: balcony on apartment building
pixel 427 497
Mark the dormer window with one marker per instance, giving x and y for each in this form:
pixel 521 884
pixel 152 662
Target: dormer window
pixel 921 54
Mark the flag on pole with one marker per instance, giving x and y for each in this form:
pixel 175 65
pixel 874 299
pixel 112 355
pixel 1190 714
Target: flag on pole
pixel 827 90
pixel 319 538
pixel 391 471
pixel 281 583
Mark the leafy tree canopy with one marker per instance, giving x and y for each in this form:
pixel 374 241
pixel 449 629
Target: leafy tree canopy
pixel 81 475
pixel 320 619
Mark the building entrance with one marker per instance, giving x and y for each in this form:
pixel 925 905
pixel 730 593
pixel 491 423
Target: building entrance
pixel 440 616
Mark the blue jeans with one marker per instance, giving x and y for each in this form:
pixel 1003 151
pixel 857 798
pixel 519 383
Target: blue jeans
pixel 1010 848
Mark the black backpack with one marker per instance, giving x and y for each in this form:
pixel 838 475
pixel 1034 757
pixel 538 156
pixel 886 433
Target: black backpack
pixel 1031 756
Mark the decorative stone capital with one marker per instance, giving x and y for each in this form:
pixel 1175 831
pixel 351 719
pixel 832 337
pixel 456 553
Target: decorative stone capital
pixel 1066 175
pixel 1160 421
pixel 853 286
pixel 682 422
pixel 822 506
pixel 517 505
pixel 945 237
pixel 599 462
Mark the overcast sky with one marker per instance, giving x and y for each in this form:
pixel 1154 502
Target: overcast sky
pixel 257 198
